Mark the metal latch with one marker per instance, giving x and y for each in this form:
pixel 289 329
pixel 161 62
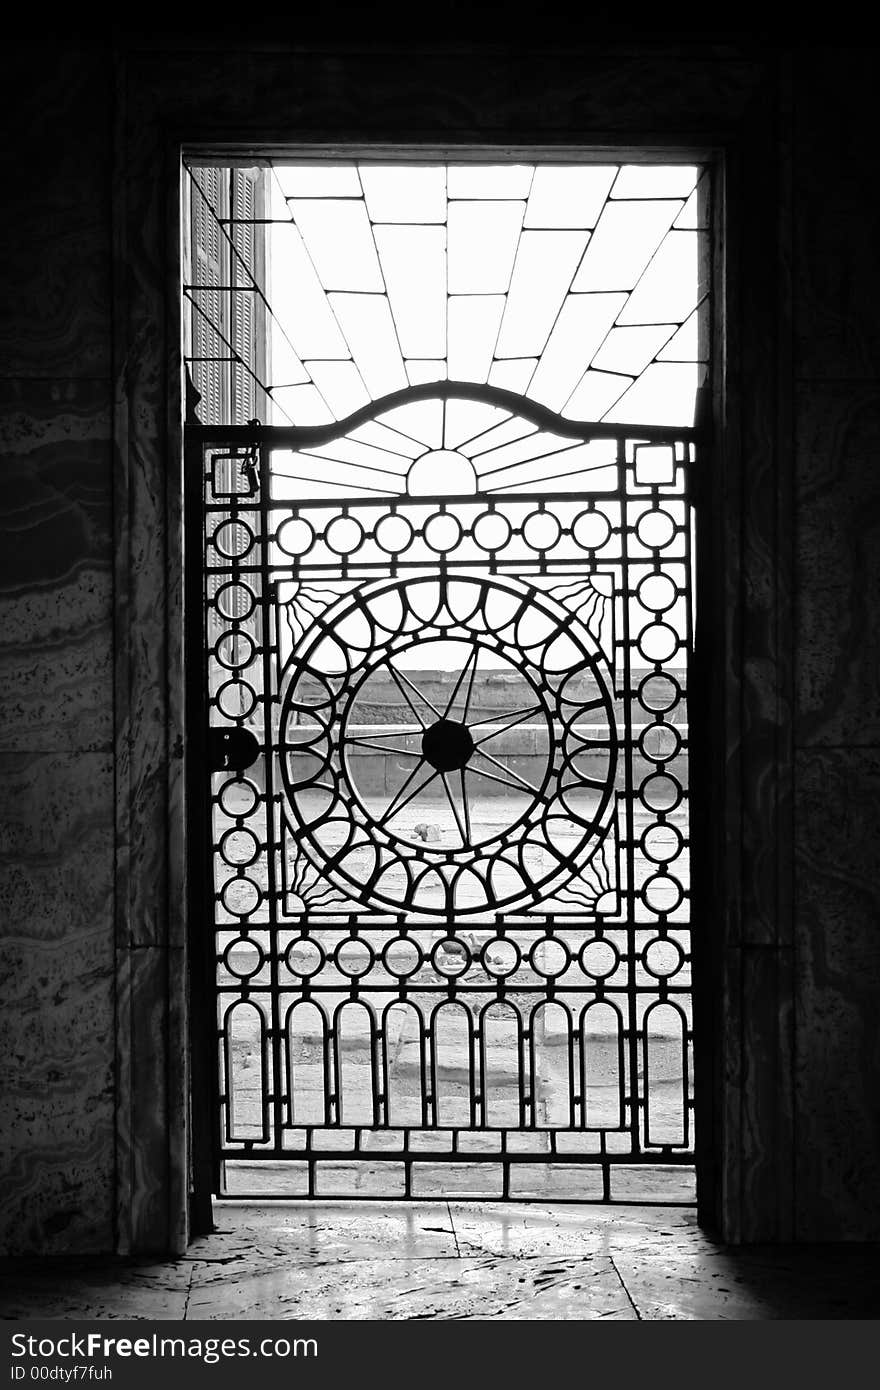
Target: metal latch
pixel 231 749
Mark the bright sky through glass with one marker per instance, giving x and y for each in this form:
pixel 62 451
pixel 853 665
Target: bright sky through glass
pixel 577 286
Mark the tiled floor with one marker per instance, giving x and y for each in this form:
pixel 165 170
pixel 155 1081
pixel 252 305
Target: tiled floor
pixel 454 1260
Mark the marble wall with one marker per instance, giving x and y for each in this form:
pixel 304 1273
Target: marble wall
pixel 92 940
pixel 57 1029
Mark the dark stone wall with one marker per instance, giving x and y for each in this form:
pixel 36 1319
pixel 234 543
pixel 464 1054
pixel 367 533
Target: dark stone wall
pixel 91 1030
pixel 836 415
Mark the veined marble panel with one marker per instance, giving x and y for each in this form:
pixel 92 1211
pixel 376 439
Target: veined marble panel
pixel 149 561
pixel 538 1288
pixel 755 1283
pixel 514 1230
pixel 56 675
pixel 838 563
pixel 838 995
pixel 58 1195
pixel 324 1232
pixel 56 1028
pixel 149 1128
pixel 55 233
pixel 56 846
pixel 766 1133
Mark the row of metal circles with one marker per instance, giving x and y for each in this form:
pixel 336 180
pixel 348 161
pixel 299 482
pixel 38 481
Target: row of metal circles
pixel 661 793
pixel 442 532
pixel 660 742
pixel 402 957
pixel 239 847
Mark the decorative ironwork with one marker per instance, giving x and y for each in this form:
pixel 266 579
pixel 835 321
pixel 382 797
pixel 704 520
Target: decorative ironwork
pixel 368 844
pixel 451 893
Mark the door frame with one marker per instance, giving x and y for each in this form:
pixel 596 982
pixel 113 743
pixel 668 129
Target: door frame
pixel 703 699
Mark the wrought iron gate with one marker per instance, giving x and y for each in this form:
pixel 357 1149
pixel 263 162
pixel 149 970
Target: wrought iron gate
pixel 446 807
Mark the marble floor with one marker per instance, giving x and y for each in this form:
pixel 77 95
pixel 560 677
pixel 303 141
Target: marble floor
pixel 342 1260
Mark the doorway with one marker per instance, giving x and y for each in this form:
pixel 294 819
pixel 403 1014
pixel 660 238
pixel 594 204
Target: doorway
pixel 444 577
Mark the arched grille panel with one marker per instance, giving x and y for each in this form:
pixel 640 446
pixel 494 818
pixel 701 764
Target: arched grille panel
pixel 448 805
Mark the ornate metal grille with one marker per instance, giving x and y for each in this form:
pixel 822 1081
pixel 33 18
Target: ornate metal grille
pixel 447 809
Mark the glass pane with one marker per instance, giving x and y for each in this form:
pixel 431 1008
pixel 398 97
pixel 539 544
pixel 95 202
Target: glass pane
pixel 483 239
pixel 626 237
pixel 367 323
pixel 542 274
pixel 414 265
pixel 340 243
pixel 489 180
pixel 655 181
pixel 568 195
pixel 404 192
pixel 581 328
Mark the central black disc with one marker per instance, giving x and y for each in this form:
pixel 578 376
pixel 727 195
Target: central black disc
pixel 447 745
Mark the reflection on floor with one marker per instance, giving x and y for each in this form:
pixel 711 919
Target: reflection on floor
pixel 453 1260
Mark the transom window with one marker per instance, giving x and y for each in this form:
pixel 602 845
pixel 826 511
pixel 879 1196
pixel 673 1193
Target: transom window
pixel 323 286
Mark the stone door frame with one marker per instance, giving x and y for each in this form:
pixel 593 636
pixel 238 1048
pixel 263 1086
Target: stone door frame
pixel 620 98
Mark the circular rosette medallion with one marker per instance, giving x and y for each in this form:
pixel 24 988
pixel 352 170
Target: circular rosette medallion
pixel 448 745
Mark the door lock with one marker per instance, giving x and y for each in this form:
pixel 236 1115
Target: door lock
pixel 231 749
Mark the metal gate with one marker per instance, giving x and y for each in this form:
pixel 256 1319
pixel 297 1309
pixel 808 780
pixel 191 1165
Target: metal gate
pixel 446 806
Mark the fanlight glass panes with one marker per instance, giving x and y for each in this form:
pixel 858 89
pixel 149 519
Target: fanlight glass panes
pixel 570 284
